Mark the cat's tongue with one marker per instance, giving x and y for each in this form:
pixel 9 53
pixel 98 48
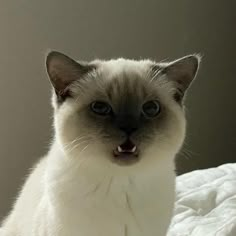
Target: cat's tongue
pixel 126 148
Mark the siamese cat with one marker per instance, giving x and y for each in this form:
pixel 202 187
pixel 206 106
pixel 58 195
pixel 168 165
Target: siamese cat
pixel 110 170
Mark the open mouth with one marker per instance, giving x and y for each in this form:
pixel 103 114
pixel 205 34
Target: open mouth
pixel 126 153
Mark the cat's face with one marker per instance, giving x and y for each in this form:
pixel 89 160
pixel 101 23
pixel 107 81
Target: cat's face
pixel 121 112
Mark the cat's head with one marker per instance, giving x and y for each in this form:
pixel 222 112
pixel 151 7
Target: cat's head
pixel 120 112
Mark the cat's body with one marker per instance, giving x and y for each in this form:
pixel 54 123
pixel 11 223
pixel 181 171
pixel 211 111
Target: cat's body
pixel 107 206
pixel 81 188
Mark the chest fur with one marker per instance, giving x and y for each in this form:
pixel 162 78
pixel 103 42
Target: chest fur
pixel 114 206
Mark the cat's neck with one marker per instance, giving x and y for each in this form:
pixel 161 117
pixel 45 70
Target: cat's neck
pixel 116 202
pixel 69 176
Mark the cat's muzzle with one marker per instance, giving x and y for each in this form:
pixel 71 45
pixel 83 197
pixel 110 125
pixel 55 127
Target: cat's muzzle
pixel 126 153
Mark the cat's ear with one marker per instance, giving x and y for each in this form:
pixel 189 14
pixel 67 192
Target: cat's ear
pixel 182 72
pixel 63 71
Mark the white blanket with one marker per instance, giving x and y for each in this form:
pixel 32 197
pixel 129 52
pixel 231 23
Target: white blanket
pixel 206 203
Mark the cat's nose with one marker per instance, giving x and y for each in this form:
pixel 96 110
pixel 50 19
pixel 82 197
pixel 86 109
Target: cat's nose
pixel 127 123
pixel 128 129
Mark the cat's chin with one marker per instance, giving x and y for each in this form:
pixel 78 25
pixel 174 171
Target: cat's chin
pixel 126 153
pixel 125 159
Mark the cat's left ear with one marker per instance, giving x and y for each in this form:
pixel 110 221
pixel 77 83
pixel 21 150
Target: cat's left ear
pixel 182 72
pixel 63 72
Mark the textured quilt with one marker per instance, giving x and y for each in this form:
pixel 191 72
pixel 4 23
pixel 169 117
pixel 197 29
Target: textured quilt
pixel 206 203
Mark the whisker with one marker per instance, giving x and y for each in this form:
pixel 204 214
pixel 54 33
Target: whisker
pixel 84 149
pixel 186 153
pixel 77 145
pixel 75 140
pixel 84 158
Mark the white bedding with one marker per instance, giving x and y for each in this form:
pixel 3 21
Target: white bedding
pixel 206 203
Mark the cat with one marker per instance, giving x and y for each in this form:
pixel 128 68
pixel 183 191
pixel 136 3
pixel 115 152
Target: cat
pixel 110 171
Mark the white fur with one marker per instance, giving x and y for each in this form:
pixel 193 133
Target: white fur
pixel 67 196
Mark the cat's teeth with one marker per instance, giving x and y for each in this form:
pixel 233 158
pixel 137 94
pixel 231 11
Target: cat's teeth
pixel 134 149
pixel 131 151
pixel 120 149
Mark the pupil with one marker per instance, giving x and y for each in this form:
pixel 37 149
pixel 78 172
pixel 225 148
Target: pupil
pixel 100 108
pixel 151 108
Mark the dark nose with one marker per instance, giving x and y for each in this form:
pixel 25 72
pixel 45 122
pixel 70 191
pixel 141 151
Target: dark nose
pixel 128 129
pixel 127 125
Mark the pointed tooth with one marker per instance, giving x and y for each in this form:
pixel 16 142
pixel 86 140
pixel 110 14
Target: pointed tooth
pixel 134 149
pixel 119 149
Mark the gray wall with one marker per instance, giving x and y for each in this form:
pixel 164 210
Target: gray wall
pixel 105 28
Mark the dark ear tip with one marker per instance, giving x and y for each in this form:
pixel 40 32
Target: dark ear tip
pixel 52 54
pixel 195 58
pixel 198 57
pixel 57 57
pixel 49 55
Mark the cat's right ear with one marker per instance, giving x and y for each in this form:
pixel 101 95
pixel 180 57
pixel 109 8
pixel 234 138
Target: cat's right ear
pixel 181 72
pixel 62 72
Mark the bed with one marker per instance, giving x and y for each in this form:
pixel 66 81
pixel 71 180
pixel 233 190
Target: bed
pixel 206 203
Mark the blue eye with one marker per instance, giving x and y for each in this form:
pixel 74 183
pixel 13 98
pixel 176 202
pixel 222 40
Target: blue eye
pixel 151 109
pixel 101 108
